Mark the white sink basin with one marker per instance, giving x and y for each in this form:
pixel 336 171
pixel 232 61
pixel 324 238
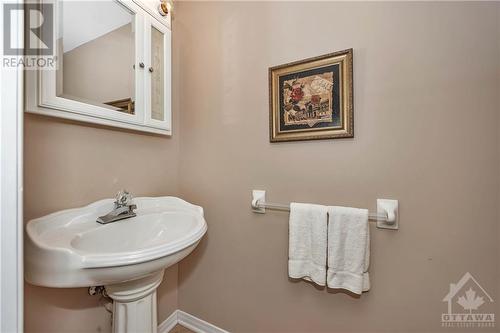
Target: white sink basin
pixel 70 249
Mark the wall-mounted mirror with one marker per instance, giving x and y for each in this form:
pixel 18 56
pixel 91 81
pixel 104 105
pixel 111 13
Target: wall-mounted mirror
pixel 96 43
pixel 113 66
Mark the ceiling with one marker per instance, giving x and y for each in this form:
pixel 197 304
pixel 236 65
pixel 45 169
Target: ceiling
pixel 83 21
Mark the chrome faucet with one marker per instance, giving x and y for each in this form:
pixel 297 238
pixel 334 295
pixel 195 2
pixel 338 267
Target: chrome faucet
pixel 124 209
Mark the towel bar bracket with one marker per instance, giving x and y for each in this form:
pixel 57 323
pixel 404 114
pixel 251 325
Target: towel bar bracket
pixel 387 216
pixel 391 208
pixel 258 196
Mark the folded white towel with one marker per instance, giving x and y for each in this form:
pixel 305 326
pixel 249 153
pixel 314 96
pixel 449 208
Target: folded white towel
pixel 348 249
pixel 307 242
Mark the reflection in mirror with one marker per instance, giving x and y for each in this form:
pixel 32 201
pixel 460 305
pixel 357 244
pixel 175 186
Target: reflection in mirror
pixel 96 40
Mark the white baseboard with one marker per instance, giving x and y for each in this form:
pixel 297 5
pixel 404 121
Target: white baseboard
pixel 189 321
pixel 168 323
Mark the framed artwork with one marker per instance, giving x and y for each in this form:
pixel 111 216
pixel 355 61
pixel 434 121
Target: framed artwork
pixel 312 99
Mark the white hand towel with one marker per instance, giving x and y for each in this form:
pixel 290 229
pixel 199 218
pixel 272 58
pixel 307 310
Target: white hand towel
pixel 348 249
pixel 307 242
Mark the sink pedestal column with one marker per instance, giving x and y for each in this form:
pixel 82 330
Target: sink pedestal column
pixel 134 306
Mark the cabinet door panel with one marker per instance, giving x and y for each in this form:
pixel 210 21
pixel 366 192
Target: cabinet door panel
pixel 157 71
pixel 158 82
pixel 96 74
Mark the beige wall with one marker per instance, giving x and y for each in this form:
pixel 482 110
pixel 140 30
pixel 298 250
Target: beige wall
pixel 101 70
pixel 498 148
pixel 426 87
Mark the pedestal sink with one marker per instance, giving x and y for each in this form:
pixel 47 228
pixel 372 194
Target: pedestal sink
pixel 70 249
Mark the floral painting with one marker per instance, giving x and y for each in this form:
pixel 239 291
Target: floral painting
pixel 312 99
pixel 308 100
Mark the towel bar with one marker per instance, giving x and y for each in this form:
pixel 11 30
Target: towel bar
pixel 386 215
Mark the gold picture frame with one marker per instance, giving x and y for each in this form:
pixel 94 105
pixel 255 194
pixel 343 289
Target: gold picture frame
pixel 312 99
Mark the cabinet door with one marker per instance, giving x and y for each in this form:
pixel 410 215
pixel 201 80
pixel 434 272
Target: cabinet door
pixel 113 67
pixel 158 75
pixel 99 45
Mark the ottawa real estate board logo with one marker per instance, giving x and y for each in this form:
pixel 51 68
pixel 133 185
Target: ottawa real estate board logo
pixel 469 305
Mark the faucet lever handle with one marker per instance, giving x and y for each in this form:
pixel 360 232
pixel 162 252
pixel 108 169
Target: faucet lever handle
pixel 123 198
